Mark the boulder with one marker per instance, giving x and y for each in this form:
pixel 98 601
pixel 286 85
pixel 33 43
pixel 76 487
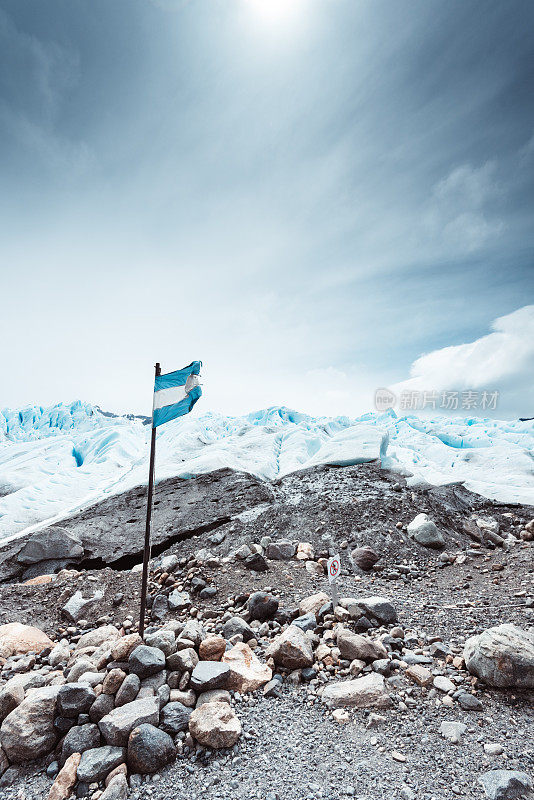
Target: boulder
pixel 419 675
pixel 179 601
pixel 212 648
pixel 308 622
pixel 312 604
pixel 50 544
pixel 305 551
pixel 215 725
pixel 119 723
pixel 103 705
pixel 145 661
pixel 184 660
pixel 66 778
pixel 95 764
pixel 262 606
pixel 79 739
pixel 247 673
pixel 128 691
pixel 425 532
pixel 175 718
pixel 352 646
pixel 11 695
pixel 74 699
pixel 366 692
pixel 16 639
pixel 149 749
pixel 502 656
pixel 210 675
pixel 379 610
pixel 281 550
pixel 79 607
pixel 291 649
pixel 256 562
pixel 164 640
pixel 365 558
pixel 96 638
pixel 505 784
pixel 212 696
pixel 237 626
pixel 28 731
pixel 124 646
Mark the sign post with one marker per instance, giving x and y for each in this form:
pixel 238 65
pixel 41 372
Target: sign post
pixel 334 567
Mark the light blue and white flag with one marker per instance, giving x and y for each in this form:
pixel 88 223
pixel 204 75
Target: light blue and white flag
pixel 176 393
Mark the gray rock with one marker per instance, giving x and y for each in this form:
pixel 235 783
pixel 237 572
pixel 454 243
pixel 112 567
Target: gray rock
pixel 160 606
pixel 193 631
pixel 97 763
pixel 453 731
pixel 128 691
pixel 169 563
pixel 179 601
pixel 164 640
pixel 505 784
pixel 291 649
pixel 444 684
pixel 307 622
pixel 469 702
pixel 262 606
pixel 425 532
pixel 236 626
pixel 103 704
pixel 352 646
pixel 149 749
pixel 28 731
pixel 116 726
pixel 281 550
pixel 74 699
pixel 78 607
pixel 11 695
pixel 52 543
pixel 175 718
pixel 210 675
pixel 145 661
pixel 79 739
pixel 378 610
pixel 366 692
pixel 184 660
pixel 502 656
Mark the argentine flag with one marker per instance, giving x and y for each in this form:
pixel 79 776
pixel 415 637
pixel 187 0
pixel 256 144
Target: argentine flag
pixel 176 393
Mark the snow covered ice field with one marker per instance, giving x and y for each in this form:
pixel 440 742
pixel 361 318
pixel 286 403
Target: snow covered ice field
pixel 55 461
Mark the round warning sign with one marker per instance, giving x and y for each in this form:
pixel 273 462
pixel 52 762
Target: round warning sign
pixel 334 567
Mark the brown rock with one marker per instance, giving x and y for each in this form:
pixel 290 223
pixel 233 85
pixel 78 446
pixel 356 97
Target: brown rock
pixel 113 681
pixel 39 580
pixel 212 648
pixel 66 778
pixel 366 692
pixel 125 646
pixel 215 725
pixel 365 558
pixel 122 769
pixel 247 672
pixel 419 675
pixel 312 604
pixel 16 638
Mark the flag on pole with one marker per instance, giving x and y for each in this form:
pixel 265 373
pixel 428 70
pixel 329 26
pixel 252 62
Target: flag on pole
pixel 176 393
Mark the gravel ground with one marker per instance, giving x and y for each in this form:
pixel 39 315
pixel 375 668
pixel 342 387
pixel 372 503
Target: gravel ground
pixel 292 748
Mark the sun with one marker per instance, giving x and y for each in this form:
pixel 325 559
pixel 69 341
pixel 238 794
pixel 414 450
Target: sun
pixel 276 11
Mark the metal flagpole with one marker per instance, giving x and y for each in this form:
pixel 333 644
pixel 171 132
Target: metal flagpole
pixel 146 556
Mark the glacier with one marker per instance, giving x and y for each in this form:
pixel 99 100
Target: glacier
pixel 58 460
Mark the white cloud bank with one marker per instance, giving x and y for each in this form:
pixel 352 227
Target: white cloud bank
pixel 502 361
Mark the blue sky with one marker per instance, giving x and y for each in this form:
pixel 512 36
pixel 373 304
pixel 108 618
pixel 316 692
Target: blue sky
pixel 307 195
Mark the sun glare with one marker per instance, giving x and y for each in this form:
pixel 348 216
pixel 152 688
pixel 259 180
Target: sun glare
pixel 276 11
